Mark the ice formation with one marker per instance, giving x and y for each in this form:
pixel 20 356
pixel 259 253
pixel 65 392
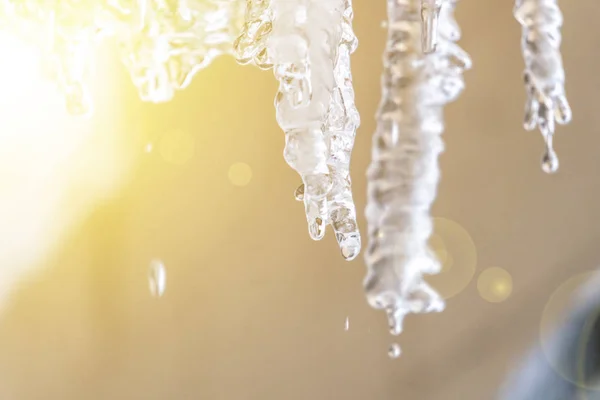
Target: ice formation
pixel 404 173
pixel 308 44
pixel 544 75
pixel 163 42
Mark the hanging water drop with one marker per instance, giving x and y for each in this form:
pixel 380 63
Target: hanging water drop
pixel 157 278
pixel 347 324
pixel 394 351
pixel 550 162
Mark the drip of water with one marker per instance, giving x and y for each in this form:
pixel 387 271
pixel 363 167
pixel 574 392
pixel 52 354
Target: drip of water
pixel 394 351
pixel 550 161
pixel 157 278
pixel 347 324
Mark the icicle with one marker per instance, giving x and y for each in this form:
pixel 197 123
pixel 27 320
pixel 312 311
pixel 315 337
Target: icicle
pixel 304 67
pixel 544 75
pixel 340 130
pixel 309 42
pixel 403 175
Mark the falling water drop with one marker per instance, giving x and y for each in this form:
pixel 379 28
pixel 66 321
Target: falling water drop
pixel 394 351
pixel 347 324
pixel 148 148
pixel 157 278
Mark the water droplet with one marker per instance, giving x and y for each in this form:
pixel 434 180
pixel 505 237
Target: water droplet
pixel 148 148
pixel 550 162
pixel 394 351
pixel 316 228
pixel 299 193
pixel 157 278
pixel 349 245
pixel 347 324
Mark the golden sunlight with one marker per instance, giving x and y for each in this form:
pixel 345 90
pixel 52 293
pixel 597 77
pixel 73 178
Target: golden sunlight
pixel 54 168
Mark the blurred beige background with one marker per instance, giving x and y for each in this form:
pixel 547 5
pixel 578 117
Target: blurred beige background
pixel 253 308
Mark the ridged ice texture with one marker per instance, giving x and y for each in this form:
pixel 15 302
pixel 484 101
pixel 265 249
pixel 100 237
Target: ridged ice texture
pixel 404 173
pixel 544 76
pixel 163 42
pixel 308 43
pixel 179 37
pixel 251 45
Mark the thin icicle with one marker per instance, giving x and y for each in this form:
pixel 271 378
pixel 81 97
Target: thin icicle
pixel 308 43
pixel 544 75
pixel 340 128
pixel 403 175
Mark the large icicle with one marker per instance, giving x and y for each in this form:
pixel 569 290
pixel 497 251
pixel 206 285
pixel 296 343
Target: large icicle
pixel 308 43
pixel 403 175
pixel 340 128
pixel 544 75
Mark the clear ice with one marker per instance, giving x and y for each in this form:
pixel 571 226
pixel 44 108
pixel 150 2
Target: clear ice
pixel 308 44
pixel 430 14
pixel 403 174
pixel 163 43
pixel 544 76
